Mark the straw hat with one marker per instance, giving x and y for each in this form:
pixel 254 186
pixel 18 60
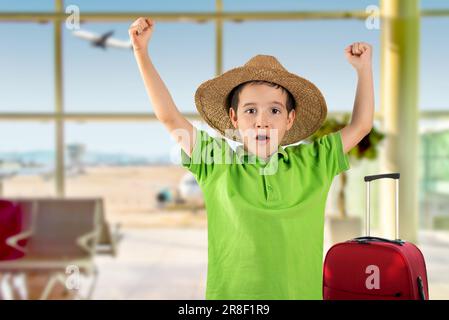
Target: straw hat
pixel 212 97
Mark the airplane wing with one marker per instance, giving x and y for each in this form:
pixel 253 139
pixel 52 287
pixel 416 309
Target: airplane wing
pixel 111 42
pixel 102 40
pixel 86 35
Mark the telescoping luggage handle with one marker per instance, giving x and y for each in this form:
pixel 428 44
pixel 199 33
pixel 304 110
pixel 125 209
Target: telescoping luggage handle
pixel 368 179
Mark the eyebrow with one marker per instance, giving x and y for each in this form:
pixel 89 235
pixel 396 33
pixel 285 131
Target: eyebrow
pixel 253 103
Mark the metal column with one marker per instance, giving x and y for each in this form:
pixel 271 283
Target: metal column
pixel 59 103
pixel 399 105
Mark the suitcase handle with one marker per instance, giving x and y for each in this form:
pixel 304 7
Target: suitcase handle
pixel 368 239
pixel 370 178
pixel 382 176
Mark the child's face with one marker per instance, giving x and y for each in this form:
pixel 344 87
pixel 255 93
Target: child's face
pixel 262 111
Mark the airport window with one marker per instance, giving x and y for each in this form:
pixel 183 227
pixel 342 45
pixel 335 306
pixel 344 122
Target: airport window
pixel 26 63
pixel 27 159
pixel 107 79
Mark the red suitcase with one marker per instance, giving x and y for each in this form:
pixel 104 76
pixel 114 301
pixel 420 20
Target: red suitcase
pixel 372 268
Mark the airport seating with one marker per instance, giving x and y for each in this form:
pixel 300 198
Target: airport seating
pixel 64 235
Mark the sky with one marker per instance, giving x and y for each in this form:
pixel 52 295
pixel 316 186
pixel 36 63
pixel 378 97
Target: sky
pixel 97 80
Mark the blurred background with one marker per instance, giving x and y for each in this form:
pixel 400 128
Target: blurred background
pixel 76 125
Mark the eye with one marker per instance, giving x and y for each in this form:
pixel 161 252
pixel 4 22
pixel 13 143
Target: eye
pixel 250 110
pixel 276 110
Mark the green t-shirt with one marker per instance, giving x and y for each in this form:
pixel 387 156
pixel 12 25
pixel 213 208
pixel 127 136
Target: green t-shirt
pixel 265 220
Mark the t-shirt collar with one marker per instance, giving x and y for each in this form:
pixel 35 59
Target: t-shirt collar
pixel 241 152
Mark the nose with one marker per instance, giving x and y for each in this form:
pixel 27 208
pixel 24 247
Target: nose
pixel 262 121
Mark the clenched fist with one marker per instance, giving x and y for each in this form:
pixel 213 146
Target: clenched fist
pixel 140 33
pixel 359 55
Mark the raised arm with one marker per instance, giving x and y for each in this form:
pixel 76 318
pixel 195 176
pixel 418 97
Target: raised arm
pixel 359 55
pixel 165 109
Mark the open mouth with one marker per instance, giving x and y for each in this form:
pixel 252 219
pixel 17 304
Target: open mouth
pixel 262 138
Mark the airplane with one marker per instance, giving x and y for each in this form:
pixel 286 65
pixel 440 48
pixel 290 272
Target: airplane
pixel 103 40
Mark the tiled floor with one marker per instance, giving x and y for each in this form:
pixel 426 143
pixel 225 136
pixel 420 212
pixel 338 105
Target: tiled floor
pixel 172 264
pixel 155 264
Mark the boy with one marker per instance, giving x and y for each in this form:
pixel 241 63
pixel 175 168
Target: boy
pixel 265 203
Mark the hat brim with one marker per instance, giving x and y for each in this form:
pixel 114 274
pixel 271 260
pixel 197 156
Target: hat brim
pixel 211 99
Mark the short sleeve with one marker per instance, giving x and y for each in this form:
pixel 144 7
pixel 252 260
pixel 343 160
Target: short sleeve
pixel 329 151
pixel 204 158
pixel 326 153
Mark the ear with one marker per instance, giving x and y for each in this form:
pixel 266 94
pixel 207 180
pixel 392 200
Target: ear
pixel 291 119
pixel 233 116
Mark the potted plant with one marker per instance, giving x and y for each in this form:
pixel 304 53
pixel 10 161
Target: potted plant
pixel 344 227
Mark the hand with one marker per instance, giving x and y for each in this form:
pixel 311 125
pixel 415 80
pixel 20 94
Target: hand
pixel 140 33
pixel 359 55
